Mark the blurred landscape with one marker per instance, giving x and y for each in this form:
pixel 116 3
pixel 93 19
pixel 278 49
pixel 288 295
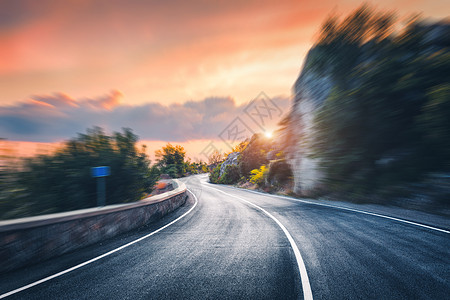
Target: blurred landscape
pixel 62 181
pixel 368 122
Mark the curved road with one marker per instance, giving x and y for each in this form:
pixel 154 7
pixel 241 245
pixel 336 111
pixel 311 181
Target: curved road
pixel 227 243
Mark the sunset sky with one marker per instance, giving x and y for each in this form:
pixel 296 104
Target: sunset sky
pixel 176 71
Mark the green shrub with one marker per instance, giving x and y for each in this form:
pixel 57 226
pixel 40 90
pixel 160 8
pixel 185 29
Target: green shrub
pixel 279 172
pixel 214 176
pixel 231 175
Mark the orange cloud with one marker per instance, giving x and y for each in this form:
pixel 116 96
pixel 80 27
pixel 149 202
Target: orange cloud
pixel 107 102
pixel 168 51
pixel 41 103
pixel 56 100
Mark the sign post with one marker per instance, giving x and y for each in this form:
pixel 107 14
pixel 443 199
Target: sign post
pixel 101 173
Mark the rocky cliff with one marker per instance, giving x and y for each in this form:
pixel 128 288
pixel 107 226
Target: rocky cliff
pixel 310 90
pixel 231 160
pixel 319 77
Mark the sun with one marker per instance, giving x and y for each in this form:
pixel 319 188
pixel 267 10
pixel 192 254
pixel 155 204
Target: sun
pixel 268 134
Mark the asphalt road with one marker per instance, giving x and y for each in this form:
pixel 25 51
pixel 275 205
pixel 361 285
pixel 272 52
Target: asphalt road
pixel 227 243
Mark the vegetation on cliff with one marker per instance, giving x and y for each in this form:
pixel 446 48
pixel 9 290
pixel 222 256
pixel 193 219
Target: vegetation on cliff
pixel 258 164
pixel 386 119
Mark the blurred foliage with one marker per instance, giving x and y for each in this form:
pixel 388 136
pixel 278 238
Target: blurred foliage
pixel 195 167
pixel 434 123
pixel 62 181
pixel 279 172
pixel 170 160
pixel 387 118
pixel 12 202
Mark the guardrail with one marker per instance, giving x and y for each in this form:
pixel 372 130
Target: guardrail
pixel 29 240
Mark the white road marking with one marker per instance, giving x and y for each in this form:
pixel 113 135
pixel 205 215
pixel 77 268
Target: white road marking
pixel 99 257
pixel 348 209
pixel 306 287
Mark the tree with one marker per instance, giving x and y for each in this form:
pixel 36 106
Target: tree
pixel 215 158
pixel 170 160
pixel 238 148
pixel 62 181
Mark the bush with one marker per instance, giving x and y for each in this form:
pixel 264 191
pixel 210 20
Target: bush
pixel 279 172
pixel 258 176
pixel 214 176
pixel 254 155
pixel 231 175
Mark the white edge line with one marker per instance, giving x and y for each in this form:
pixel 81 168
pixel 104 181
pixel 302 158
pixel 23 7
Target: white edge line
pixel 98 257
pixel 306 287
pixel 349 209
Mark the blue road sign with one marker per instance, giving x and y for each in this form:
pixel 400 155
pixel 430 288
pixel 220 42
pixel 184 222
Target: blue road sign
pixel 100 171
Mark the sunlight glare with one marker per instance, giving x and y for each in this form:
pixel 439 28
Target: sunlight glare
pixel 268 134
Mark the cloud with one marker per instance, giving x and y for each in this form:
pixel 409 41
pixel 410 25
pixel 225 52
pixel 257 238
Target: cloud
pixel 148 47
pixel 56 117
pixel 107 102
pixel 55 100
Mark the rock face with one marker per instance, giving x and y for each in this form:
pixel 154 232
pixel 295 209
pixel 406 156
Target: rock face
pixel 310 90
pixel 232 159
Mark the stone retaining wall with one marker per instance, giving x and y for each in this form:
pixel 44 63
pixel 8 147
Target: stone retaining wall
pixel 29 240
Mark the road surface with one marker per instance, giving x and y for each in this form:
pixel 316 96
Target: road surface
pixel 226 243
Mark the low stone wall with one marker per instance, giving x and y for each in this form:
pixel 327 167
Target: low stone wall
pixel 29 240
